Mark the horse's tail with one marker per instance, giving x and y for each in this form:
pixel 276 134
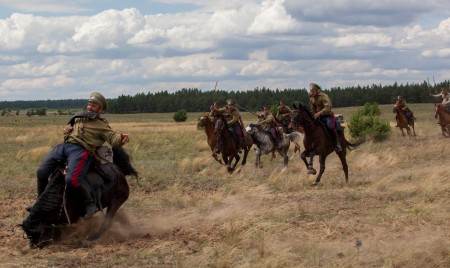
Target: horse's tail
pixel 296 138
pixel 352 145
pixel 123 160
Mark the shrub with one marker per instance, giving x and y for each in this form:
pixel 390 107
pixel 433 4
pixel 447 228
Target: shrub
pixel 365 122
pixel 180 116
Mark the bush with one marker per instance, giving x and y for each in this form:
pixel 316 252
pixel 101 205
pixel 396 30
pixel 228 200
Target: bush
pixel 366 123
pixel 180 116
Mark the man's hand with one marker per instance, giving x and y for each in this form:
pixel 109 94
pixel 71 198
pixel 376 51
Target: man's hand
pixel 124 138
pixel 317 115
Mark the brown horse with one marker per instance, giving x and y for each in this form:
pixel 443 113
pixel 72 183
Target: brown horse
pixel 444 119
pixel 318 141
pixel 206 122
pixel 228 142
pixel 402 121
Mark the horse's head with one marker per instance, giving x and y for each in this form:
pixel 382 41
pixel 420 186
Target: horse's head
pixel 38 233
pixel 204 121
pixel 301 115
pixel 251 128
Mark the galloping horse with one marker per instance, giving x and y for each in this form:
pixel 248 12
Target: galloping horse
pixel 56 207
pixel 265 145
pixel 444 120
pixel 402 121
pixel 206 122
pixel 229 146
pixel 318 141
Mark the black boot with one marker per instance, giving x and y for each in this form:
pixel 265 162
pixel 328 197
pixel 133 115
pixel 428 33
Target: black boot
pixel 90 208
pixel 338 144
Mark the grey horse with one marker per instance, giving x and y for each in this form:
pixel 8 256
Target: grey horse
pixel 265 145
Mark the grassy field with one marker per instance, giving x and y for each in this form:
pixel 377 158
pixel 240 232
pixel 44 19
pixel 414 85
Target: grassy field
pixel 187 211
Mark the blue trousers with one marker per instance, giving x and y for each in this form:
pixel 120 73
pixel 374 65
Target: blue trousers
pixel 75 156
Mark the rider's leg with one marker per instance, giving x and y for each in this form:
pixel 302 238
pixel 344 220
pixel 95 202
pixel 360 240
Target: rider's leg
pixel 78 163
pixel 217 147
pixel 331 125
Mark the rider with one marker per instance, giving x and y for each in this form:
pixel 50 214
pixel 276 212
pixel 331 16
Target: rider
pixel 234 121
pixel 85 132
pixel 284 114
pixel 321 107
pixel 268 122
pixel 404 107
pixel 445 99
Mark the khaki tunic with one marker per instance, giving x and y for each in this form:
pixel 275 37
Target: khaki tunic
pixel 92 133
pixel 445 98
pixel 322 103
pixel 284 113
pixel 233 117
pixel 267 121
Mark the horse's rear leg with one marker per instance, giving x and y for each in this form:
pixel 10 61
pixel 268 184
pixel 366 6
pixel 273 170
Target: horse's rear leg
pixel 344 164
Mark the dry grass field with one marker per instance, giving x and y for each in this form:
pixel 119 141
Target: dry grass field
pixel 185 210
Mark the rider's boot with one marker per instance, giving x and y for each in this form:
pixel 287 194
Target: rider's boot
pixel 90 208
pixel 336 139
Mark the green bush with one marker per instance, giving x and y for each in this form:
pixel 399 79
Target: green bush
pixel 180 116
pixel 366 123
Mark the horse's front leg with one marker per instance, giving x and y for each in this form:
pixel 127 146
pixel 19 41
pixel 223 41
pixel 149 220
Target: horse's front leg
pixel 283 153
pixel 322 168
pixel 309 165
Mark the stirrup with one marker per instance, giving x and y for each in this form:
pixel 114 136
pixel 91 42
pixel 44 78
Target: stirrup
pixel 338 148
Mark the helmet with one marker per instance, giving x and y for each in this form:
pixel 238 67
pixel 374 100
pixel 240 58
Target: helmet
pixel 315 86
pixel 231 102
pixel 98 98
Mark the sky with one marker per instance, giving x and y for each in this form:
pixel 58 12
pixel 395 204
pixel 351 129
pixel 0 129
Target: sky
pixel 51 49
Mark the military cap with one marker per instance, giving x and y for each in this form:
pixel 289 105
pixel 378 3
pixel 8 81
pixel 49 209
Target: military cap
pixel 399 97
pixel 315 86
pixel 98 98
pixel 231 102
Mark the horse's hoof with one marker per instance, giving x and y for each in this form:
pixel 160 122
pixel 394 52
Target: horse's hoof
pixel 314 183
pixel 312 171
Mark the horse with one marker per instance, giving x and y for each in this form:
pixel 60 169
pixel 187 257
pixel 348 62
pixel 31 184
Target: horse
pixel 206 122
pixel 402 121
pixel 229 146
pixel 444 119
pixel 265 145
pixel 318 141
pixel 56 208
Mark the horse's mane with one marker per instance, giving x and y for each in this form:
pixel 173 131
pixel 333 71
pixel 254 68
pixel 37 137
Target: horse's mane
pixel 123 160
pixel 306 109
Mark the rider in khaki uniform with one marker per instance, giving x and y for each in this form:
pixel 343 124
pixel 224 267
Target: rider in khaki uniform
pixel 85 132
pixel 321 107
pixel 284 114
pixel 445 99
pixel 408 113
pixel 234 121
pixel 268 122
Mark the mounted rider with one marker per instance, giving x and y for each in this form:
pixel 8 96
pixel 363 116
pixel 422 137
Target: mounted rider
pixel 404 107
pixel 321 107
pixel 85 132
pixel 284 114
pixel 445 99
pixel 234 121
pixel 268 122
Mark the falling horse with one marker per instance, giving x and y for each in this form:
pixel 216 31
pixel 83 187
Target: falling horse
pixel 402 121
pixel 265 145
pixel 318 141
pixel 444 119
pixel 55 208
pixel 228 143
pixel 206 122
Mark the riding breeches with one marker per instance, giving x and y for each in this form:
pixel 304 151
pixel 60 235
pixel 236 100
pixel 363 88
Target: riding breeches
pixel 75 156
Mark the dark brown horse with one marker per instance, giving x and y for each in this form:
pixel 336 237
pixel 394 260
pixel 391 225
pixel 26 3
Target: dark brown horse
pixel 57 208
pixel 206 122
pixel 402 121
pixel 444 119
pixel 228 143
pixel 318 141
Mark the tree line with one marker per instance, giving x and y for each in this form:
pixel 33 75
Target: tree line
pixel 195 100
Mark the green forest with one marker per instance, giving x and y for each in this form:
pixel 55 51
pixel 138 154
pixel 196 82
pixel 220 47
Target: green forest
pixel 195 100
